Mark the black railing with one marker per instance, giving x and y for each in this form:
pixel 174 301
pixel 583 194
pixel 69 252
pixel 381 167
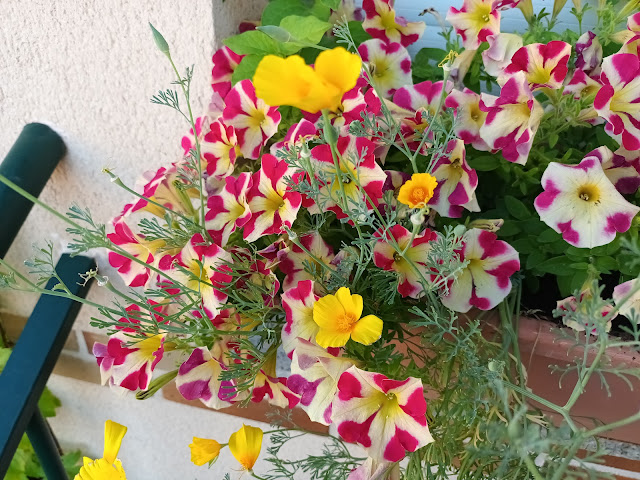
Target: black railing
pixel 29 164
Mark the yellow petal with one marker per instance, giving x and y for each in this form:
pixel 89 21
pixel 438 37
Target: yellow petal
pixel 245 445
pixel 332 338
pixel 326 310
pixel 347 301
pixel 113 435
pixel 100 469
pixel 367 330
pixel 204 450
pixel 339 68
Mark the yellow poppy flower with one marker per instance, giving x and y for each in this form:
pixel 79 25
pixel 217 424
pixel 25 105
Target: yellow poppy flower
pixel 290 81
pixel 245 445
pixel 417 191
pixel 338 317
pixel 204 450
pixel 108 467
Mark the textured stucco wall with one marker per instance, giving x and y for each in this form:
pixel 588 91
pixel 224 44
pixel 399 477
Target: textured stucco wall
pixel 88 69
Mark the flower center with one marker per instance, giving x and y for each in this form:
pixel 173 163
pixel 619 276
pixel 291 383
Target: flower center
pixel 345 322
pixel 418 195
pixel 485 18
pixel 589 193
pixel 396 257
pixel 257 117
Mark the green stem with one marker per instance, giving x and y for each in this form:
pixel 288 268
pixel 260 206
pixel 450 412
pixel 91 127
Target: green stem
pixel 533 470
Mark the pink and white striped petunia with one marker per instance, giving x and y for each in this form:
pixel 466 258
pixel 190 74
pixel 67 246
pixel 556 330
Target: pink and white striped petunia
pixel 274 389
pixel 352 104
pixel 219 148
pixel 469 116
pixel 512 119
pixel 127 363
pixel 203 268
pixel 199 378
pixel 133 273
pixel 389 64
pixel 272 205
pixel 292 260
pixel 385 256
pixel 501 49
pixel 618 101
pixel 382 22
pixel 228 209
pixel 346 9
pixel 254 121
pixel 457 182
pixel 297 135
pixel 484 282
pixel 297 303
pixel 387 417
pixel 576 316
pixel 314 376
pixel 475 21
pixel 582 204
pixel 225 62
pixel 630 38
pixel 357 162
pixel 189 140
pixel 544 65
pixel 582 85
pixel 588 53
pixel 630 308
pixel 621 167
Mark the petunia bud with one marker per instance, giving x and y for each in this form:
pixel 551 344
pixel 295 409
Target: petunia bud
pixel 490 225
pixel 526 7
pixel 558 5
pixel 161 43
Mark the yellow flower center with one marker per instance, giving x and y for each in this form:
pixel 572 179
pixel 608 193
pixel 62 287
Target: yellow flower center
pixel 589 193
pixel 388 20
pixel 345 322
pixel 418 195
pixel 257 118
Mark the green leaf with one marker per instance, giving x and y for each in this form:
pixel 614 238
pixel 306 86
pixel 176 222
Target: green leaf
pixel 48 403
pixel 516 208
pixel 549 236
pixel 426 61
pixel 304 30
pixel 535 259
pixel 523 245
pixel 276 10
pixel 606 264
pixel 485 163
pixel 509 229
pixel 246 68
pixel 358 33
pixel 4 357
pixel 556 265
pixel 553 139
pixel 72 462
pixel 332 4
pixel 253 42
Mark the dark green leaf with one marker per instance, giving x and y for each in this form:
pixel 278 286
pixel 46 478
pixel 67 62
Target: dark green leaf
pixel 535 259
pixel 276 10
pixel 246 68
pixel 549 236
pixel 358 33
pixel 485 163
pixel 508 229
pixel 516 208
pixel 556 265
pixel 606 264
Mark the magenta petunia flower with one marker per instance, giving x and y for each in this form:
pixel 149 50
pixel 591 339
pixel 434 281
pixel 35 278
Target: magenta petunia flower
pixel 544 65
pixel 485 281
pixel 475 21
pixel 618 101
pixel 272 205
pixel 630 308
pixel 297 303
pixel 292 260
pixel 274 390
pixel 512 119
pixel 254 121
pixel 386 417
pixel 582 204
pixel 621 167
pixel 382 22
pixel 225 62
pixel 589 54
pixel 469 116
pixel 219 149
pixel 228 209
pixel 389 63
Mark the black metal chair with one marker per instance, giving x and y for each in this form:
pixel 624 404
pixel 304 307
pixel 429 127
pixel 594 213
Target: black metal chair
pixel 29 164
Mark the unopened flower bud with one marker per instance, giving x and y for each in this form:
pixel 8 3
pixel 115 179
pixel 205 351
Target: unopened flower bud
pixel 490 225
pixel 459 230
pixel 417 218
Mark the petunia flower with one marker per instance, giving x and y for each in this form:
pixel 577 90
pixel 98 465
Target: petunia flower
pixel 339 319
pixel 219 148
pixel 314 377
pixel 375 470
pixel 630 38
pixel 199 378
pixel 574 314
pixel 228 209
pixel 382 22
pixel 346 9
pixel 202 268
pixel 350 108
pixel 469 116
pixel 475 21
pixel 126 363
pixel 273 388
pixel 271 204
pixel 630 308
pixel 362 177
pixel 588 53
pixel 108 467
pixel 417 192
pixel 298 303
pixel 389 65
pixel 290 81
pixel 498 56
pixel 582 204
pixel 292 260
pixel 618 101
pixel 245 445
pixel 621 167
pixel 544 65
pixel 386 417
pixel 254 121
pixel 204 450
pixel 582 86
pixel 512 119
pixel 133 273
pixel 416 250
pixel 484 282
pixel 457 182
pixel 225 61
